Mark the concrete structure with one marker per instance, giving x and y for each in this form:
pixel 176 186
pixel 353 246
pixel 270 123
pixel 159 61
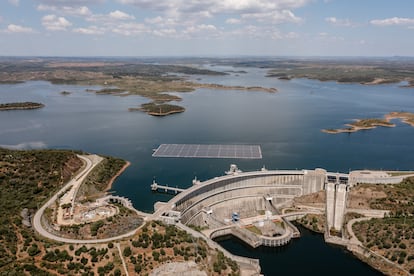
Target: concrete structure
pixel 340 204
pixel 155 187
pixel 212 203
pixel 336 195
pixel 377 177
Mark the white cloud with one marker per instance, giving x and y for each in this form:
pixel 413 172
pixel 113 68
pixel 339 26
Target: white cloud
pixel 329 37
pixel 274 17
pixel 340 22
pixel 200 28
pixel 66 10
pixel 262 32
pixel 15 2
pixel 110 18
pixel 130 29
pixel 118 15
pixel 91 30
pixel 12 28
pixel 154 20
pixel 70 3
pixel 393 21
pixel 166 32
pixel 233 21
pixel 53 23
pixel 264 10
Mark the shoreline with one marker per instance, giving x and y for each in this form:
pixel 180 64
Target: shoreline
pixel 20 106
pixel 371 123
pixel 111 182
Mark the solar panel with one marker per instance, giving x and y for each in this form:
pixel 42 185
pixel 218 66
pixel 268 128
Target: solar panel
pixel 209 151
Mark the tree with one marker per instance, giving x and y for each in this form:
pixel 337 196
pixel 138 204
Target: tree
pixel 127 251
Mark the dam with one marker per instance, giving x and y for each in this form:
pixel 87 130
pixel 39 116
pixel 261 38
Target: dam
pixel 246 204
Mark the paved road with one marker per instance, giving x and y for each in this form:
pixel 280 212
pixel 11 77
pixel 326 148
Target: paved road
pixel 91 162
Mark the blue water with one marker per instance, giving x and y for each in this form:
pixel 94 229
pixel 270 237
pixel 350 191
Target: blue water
pixel 309 255
pixel 286 124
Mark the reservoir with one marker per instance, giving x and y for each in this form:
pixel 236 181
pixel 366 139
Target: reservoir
pixel 308 255
pixel 285 124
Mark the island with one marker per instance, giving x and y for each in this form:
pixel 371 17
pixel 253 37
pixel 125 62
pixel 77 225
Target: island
pixel 120 78
pixel 371 123
pixel 20 106
pixel 159 109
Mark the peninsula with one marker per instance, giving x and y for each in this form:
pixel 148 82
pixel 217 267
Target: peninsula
pixel 369 71
pixel 20 106
pixel 371 123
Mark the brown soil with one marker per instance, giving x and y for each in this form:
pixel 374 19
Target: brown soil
pixel 316 199
pixel 360 197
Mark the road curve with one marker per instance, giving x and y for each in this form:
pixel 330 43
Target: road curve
pixel 353 238
pixel 91 162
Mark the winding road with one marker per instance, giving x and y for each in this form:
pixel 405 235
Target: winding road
pixel 91 161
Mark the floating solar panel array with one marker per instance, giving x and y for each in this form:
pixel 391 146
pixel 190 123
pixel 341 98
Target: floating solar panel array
pixel 209 151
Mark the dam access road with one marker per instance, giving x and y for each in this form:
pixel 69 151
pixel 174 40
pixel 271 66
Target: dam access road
pixel 68 193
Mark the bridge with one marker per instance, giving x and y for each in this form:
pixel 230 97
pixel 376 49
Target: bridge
pixel 155 187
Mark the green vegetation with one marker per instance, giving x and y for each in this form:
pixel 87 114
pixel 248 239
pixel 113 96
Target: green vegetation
pixel 158 243
pixel 159 109
pixel 27 178
pixel 313 222
pixel 20 106
pixel 98 181
pixel 391 237
pixel 371 123
pixel 399 198
pixel 368 123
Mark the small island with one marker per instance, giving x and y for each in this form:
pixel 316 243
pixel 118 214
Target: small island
pixel 159 109
pixel 370 123
pixel 20 106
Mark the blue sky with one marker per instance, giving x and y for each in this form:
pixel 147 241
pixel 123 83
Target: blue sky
pixel 207 27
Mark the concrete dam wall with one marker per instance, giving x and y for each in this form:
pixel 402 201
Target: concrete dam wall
pixel 245 193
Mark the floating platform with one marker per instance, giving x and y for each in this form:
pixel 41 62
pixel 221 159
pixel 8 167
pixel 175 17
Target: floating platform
pixel 209 151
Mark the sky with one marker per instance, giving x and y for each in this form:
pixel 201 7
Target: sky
pixel 206 28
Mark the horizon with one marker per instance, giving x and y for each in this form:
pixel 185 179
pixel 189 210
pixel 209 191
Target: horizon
pixel 209 56
pixel 176 28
